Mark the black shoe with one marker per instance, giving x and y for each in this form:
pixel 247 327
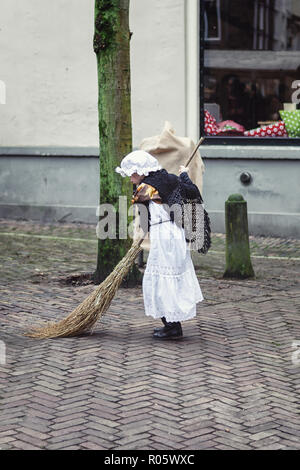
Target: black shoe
pixel 164 322
pixel 170 331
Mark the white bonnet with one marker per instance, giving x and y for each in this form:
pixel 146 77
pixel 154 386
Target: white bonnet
pixel 139 162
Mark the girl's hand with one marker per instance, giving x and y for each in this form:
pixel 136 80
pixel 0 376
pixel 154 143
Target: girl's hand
pixel 182 169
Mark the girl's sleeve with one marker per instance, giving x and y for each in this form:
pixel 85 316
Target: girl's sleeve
pixel 145 193
pixel 191 190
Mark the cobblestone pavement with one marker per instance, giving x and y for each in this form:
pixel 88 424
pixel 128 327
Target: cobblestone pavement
pixel 231 383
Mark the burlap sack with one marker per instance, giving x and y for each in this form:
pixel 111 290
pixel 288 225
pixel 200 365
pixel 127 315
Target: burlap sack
pixel 171 151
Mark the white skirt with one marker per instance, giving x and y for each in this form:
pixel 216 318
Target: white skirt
pixel 170 285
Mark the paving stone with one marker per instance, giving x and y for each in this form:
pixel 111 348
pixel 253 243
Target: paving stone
pixel 229 384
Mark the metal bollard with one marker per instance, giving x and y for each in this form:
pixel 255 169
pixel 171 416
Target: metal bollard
pixel 238 262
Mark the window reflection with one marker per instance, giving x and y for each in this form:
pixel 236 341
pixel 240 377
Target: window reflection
pixel 252 61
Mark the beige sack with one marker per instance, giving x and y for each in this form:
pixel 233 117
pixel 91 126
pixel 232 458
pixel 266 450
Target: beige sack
pixel 172 151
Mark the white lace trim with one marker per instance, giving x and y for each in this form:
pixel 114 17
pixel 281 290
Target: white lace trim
pixel 158 308
pixel 139 162
pixel 172 316
pixel 165 271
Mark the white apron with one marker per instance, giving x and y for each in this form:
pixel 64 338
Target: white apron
pixel 170 285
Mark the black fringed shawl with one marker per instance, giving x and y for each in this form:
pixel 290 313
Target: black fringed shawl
pixel 166 184
pixel 179 190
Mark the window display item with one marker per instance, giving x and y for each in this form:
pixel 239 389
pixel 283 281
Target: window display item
pixel 292 122
pixel 210 124
pixel 229 128
pixel 277 129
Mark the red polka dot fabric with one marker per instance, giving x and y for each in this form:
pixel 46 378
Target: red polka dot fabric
pixel 210 124
pixel 276 129
pixel 211 127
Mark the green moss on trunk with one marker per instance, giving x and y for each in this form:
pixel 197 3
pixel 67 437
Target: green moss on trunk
pixel 112 47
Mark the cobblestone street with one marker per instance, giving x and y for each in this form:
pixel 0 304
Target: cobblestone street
pixel 231 383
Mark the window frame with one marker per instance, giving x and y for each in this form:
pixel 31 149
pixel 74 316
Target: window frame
pixel 227 140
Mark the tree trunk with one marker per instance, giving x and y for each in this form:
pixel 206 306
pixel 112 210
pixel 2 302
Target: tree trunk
pixel 111 45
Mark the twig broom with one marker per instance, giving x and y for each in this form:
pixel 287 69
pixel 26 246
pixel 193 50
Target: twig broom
pixel 84 317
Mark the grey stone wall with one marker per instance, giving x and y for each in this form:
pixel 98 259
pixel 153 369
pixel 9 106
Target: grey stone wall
pixel 64 186
pixel 49 188
pixel 273 195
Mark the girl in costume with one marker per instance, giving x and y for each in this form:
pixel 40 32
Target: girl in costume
pixel 170 286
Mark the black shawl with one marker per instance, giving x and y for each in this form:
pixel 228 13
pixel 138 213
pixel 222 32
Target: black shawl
pixel 179 190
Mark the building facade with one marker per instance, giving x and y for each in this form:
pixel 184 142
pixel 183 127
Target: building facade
pixel 191 60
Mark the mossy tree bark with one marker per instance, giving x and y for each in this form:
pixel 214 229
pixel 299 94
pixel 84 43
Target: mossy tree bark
pixel 112 48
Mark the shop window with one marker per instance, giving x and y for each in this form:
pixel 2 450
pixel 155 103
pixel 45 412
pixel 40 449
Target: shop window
pixel 250 69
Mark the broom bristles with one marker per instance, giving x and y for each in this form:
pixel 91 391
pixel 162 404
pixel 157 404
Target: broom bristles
pixel 85 315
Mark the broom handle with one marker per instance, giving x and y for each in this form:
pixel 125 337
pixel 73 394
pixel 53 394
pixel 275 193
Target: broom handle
pixel 194 151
